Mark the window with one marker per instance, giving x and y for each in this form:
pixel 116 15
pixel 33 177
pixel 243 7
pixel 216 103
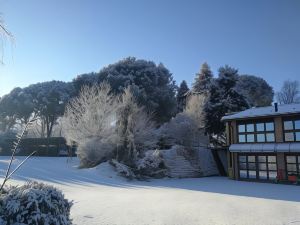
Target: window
pixel 262 167
pixel 293 164
pixel 256 132
pixel 291 130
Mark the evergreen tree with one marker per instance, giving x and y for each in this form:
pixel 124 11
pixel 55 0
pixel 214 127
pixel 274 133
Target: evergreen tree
pixel 203 79
pixel 223 99
pixel 181 96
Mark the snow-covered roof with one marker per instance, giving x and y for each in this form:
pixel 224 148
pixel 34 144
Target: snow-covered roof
pixel 266 147
pixel 264 111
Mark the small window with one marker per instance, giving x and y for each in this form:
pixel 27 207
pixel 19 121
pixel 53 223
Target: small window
pixel 242 158
pixel 289 136
pixel 261 138
pixel 262 166
pixel 250 137
pixel 242 138
pixel 288 125
pixel 243 173
pixel 297 124
pixel 262 158
pixel 297 136
pixel 243 166
pixel 292 167
pixel 250 127
pixel 263 175
pixel 252 174
pixel 242 128
pixel 272 159
pixel 272 175
pixel 270 126
pixel 291 159
pixel 270 137
pixel 260 127
pixel 272 166
pixel 251 159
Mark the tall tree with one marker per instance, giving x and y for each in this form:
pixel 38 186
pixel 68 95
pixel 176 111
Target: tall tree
pixel 152 84
pixel 203 80
pixel 181 96
pixel 223 99
pixel 256 90
pixel 289 93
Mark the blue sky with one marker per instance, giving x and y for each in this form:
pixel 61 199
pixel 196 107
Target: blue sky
pixel 57 39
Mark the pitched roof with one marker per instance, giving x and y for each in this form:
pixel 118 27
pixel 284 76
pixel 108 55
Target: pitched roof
pixel 264 111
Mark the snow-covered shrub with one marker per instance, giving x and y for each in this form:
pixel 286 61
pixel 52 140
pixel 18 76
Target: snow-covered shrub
pixel 136 131
pixel 151 165
pixel 92 152
pixel 91 118
pixel 34 203
pixel 122 169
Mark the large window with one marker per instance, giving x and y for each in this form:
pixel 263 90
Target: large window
pixel 293 164
pixel 262 167
pixel 291 130
pixel 256 132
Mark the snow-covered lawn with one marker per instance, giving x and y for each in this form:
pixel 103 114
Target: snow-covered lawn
pixel 102 198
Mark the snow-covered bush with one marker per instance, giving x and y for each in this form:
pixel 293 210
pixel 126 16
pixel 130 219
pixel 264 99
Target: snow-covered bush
pixel 123 170
pixel 136 131
pixel 151 165
pixel 34 203
pixel 93 151
pixel 90 120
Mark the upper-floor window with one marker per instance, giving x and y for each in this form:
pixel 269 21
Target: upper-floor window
pixel 256 132
pixel 291 129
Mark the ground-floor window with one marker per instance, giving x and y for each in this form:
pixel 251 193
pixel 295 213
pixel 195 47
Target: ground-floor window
pixel 293 164
pixel 256 166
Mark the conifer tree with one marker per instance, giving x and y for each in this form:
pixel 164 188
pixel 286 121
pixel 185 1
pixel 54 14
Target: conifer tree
pixel 203 80
pixel 181 96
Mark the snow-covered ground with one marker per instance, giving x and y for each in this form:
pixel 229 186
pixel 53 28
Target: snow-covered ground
pixel 102 198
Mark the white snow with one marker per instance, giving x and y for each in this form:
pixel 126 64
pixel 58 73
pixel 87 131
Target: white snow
pixel 101 197
pixel 264 111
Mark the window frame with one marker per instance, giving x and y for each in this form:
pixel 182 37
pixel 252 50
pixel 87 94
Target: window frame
pixel 297 163
pixel 255 132
pixel 294 130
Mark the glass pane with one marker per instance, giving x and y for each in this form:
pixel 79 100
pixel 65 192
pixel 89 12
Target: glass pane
pixel 262 158
pixel 250 127
pixel 272 158
pixel 242 128
pixel 262 166
pixel 263 175
pixel 288 125
pixel 292 167
pixel 289 136
pixel 299 159
pixel 260 127
pixel 251 158
pixel 272 175
pixel 242 138
pixel 272 166
pixel 270 126
pixel 243 173
pixel 243 166
pixel 260 138
pixel 251 166
pixel 242 158
pixel 292 173
pixel 291 159
pixel 297 124
pixel 297 136
pixel 270 137
pixel 252 174
pixel 250 137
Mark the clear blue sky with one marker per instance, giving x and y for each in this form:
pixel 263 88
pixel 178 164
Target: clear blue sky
pixel 59 39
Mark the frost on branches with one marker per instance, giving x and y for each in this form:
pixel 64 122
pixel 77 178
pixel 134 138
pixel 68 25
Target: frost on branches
pixel 34 203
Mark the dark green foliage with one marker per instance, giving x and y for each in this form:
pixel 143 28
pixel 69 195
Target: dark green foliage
pixel 152 84
pixel 256 90
pixel 181 96
pixel 203 80
pixel 223 99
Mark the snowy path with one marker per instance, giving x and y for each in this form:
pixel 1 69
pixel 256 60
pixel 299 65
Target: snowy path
pixel 102 198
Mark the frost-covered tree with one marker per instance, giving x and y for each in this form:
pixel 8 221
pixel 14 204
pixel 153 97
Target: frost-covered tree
pixel 181 96
pixel 256 90
pixel 223 99
pixel 203 80
pixel 195 109
pixel 49 100
pixel 90 121
pixel 154 86
pixel 289 93
pixel 135 129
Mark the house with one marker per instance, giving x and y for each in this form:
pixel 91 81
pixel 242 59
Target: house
pixel 264 143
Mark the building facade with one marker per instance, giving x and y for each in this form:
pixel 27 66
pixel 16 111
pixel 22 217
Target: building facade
pixel 264 143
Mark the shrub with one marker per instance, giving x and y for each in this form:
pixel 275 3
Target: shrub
pixel 34 203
